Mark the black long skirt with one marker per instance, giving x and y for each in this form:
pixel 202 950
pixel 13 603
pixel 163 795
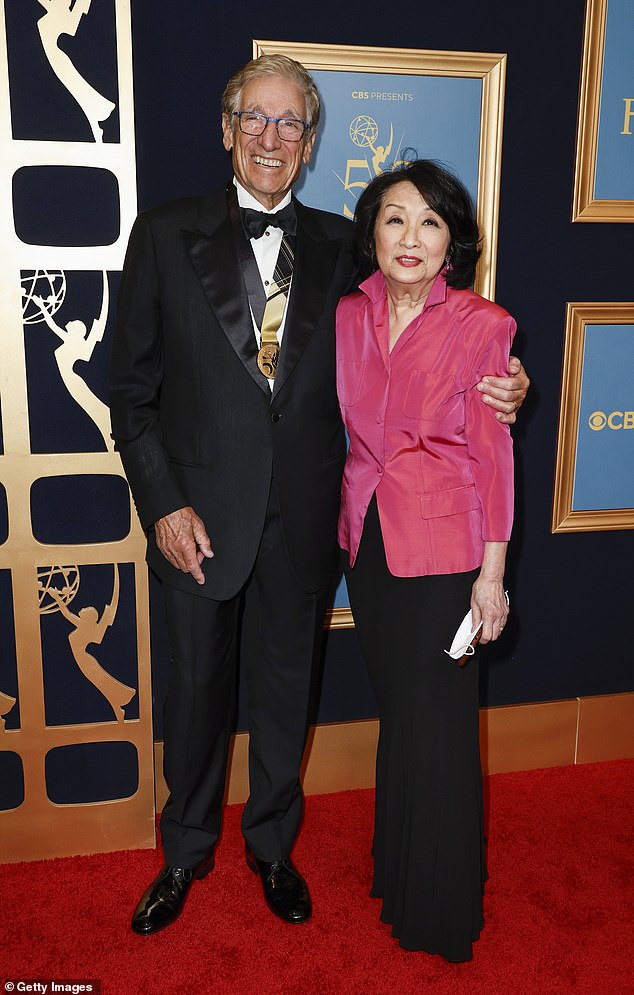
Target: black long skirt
pixel 428 840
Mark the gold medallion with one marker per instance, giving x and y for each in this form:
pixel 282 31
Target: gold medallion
pixel 268 355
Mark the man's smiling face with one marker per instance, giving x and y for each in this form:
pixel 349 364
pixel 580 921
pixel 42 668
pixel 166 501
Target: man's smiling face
pixel 264 164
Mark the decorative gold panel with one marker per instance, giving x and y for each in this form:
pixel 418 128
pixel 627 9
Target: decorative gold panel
pixel 75 604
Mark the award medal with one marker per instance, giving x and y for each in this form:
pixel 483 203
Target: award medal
pixel 268 355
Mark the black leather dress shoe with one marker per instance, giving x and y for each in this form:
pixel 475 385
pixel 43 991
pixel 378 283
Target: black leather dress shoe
pixel 163 902
pixel 285 890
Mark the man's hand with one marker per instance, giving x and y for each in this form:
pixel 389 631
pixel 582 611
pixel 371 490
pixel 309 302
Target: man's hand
pixel 182 539
pixel 506 394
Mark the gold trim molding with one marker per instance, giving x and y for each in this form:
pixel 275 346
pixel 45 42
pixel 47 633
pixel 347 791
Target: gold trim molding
pixel 339 618
pixel 564 519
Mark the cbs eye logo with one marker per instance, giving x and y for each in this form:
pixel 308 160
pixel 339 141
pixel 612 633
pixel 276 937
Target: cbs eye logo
pixel 597 421
pixel 615 420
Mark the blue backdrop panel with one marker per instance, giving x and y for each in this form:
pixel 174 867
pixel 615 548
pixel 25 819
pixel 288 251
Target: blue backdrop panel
pixel 614 178
pixel 371 119
pixel 604 468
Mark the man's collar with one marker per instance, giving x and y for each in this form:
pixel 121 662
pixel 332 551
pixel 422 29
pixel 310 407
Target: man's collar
pixel 245 199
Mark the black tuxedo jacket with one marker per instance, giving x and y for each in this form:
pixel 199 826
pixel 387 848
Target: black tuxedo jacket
pixel 193 418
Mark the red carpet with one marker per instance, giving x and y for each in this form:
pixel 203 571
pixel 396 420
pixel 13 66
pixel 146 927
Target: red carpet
pixel 559 907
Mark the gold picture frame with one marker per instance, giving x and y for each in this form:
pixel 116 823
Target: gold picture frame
pixel 564 518
pixel 490 68
pixel 585 206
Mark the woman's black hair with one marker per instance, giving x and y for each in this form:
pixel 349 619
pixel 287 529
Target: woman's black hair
pixel 446 195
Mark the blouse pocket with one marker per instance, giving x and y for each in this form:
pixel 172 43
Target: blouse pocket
pixel 451 501
pixel 427 393
pixel 349 381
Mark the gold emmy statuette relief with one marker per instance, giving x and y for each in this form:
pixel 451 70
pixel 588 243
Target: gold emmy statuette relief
pixel 63 17
pixel 90 628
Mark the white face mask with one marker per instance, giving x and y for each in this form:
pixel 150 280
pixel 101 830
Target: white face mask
pixel 467 637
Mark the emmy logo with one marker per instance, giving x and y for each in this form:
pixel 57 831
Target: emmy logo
pixel 48 285
pixel 63 580
pixel 364 133
pixel 88 627
pixel 43 294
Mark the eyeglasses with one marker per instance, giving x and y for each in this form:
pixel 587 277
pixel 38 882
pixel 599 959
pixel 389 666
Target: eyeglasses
pixel 289 129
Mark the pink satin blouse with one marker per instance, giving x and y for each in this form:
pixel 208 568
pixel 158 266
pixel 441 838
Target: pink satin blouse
pixel 440 462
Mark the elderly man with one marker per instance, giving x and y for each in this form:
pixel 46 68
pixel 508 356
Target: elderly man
pixel 225 413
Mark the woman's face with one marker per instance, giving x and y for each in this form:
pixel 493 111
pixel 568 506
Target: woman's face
pixel 411 240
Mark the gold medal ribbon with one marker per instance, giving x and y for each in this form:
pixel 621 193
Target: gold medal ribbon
pixel 269 351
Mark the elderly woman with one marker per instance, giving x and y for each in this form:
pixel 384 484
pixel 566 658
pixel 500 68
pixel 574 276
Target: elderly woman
pixel 426 512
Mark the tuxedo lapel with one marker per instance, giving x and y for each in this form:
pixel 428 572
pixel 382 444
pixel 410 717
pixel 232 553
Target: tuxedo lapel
pixel 315 260
pixel 211 248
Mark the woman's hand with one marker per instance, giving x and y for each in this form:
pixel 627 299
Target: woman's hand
pixel 488 601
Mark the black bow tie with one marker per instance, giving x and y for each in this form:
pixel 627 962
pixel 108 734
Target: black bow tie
pixel 256 222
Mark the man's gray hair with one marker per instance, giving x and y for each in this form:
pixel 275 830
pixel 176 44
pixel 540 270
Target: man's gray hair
pixel 273 65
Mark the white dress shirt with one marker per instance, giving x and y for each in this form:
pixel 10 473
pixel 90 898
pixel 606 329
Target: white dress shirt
pixel 266 251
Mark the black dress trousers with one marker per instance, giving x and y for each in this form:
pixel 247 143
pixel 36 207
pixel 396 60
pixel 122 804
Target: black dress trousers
pixel 429 841
pixel 199 710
